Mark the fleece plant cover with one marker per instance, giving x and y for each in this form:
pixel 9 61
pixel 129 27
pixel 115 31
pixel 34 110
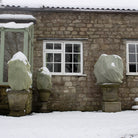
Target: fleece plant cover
pixel 19 74
pixel 109 69
pixel 44 79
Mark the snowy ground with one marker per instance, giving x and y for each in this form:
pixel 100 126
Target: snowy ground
pixel 71 125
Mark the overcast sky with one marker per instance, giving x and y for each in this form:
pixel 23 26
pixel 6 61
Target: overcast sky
pixel 127 4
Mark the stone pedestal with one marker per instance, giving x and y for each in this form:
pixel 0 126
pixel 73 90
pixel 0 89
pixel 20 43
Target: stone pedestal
pixel 20 102
pixel 111 101
pixel 44 96
pixel 111 106
pixel 43 108
pixel 110 91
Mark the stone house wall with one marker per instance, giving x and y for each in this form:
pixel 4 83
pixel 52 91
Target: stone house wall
pixel 106 33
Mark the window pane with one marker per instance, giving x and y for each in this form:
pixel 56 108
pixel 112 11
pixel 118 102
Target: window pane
pixel 137 58
pixel 57 67
pixel 50 66
pixel 77 48
pixel 68 68
pixel 57 57
pixel 131 48
pixel 137 48
pixel 14 42
pixel 49 45
pixel 57 46
pixel 68 58
pixel 132 67
pixel 76 57
pixel 76 68
pixel 68 47
pixel 49 57
pixel 132 58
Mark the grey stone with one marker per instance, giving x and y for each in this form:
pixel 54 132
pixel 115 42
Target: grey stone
pixel 110 92
pixel 44 108
pixel 20 102
pixel 44 95
pixel 111 106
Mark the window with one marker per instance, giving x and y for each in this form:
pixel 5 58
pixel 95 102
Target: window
pixel 132 58
pixel 63 58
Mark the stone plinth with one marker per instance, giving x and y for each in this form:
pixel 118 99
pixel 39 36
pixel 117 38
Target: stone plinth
pixel 44 96
pixel 110 91
pixel 110 97
pixel 20 102
pixel 111 106
pixel 43 108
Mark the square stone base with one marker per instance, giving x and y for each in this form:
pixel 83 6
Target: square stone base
pixel 17 113
pixel 43 108
pixel 111 106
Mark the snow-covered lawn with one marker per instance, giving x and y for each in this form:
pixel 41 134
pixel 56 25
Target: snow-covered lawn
pixel 71 125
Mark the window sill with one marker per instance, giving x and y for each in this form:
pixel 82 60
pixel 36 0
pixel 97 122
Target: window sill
pixel 132 74
pixel 74 75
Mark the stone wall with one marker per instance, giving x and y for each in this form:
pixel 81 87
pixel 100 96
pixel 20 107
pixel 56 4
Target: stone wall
pixel 106 33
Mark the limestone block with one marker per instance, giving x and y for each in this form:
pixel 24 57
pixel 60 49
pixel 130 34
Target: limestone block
pixel 110 92
pixel 111 106
pixel 20 102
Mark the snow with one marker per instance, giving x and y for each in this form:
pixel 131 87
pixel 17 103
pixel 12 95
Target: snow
pixel 8 89
pixel 104 55
pixel 71 125
pixel 19 56
pixel 135 107
pixel 113 64
pixel 17 16
pixel 121 4
pixel 15 25
pixel 116 56
pixel 136 99
pixel 44 70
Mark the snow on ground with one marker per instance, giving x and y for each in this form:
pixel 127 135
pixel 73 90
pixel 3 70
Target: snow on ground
pixel 71 125
pixel 127 4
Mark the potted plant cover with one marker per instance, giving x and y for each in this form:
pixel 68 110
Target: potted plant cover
pixel 20 80
pixel 44 86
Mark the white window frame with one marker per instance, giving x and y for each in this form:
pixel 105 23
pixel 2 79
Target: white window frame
pixel 62 51
pixel 127 57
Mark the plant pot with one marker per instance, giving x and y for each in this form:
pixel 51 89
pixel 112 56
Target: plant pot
pixel 111 101
pixel 44 95
pixel 18 102
pixel 110 91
